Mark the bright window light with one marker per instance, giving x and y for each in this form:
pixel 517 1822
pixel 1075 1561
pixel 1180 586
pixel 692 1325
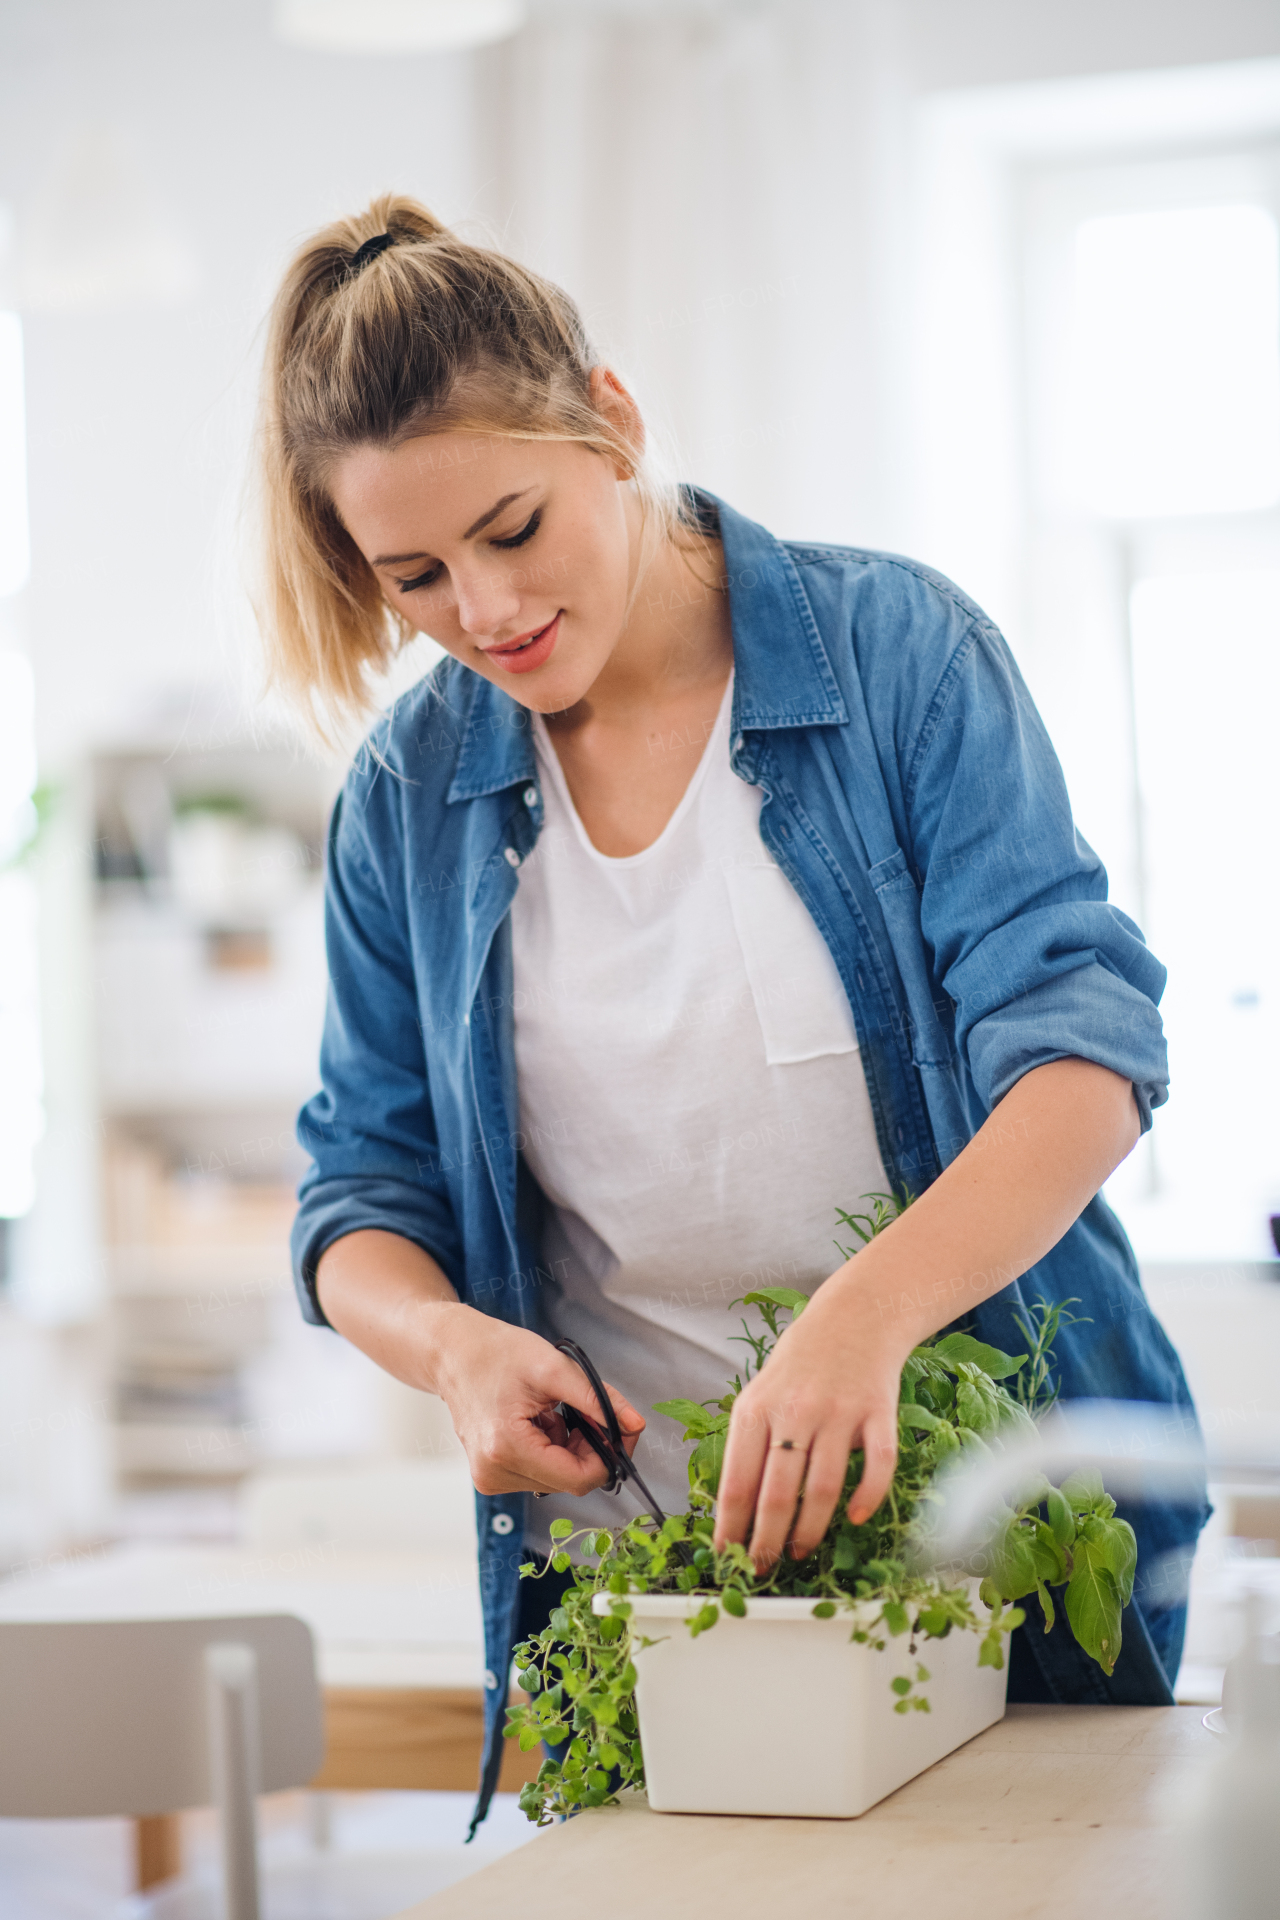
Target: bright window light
pixel 1177 362
pixel 15 546
pixel 1206 653
pixel 21 1114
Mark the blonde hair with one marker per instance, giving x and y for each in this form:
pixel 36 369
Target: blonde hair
pixel 431 334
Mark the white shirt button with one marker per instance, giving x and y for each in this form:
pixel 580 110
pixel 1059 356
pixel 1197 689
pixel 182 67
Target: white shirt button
pixel 490 1678
pixel 513 858
pixel 501 1523
pixel 531 796
pixel 738 743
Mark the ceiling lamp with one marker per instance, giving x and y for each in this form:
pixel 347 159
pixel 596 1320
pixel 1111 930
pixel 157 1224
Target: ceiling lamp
pixel 395 26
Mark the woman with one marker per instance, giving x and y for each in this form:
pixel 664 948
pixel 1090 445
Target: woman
pixel 708 885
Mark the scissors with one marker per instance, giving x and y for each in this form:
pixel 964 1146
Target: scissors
pixel 607 1445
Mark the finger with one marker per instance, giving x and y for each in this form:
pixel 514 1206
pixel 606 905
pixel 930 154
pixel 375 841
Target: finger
pixel 489 1477
pixel 631 1422
pixel 824 1477
pixel 565 1380
pixel 552 1424
pixel 575 1465
pixel 776 1504
pixel 519 1452
pixel 744 1457
pixel 880 1451
pixel 554 1376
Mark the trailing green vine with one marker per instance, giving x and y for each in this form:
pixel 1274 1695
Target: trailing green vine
pixel 579 1673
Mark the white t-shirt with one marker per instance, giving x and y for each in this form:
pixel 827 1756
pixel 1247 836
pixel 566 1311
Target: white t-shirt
pixel 692 1100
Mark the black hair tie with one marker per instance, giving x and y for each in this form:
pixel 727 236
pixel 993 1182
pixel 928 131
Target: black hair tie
pixel 370 251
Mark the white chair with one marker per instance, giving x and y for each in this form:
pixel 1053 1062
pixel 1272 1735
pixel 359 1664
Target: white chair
pixel 129 1718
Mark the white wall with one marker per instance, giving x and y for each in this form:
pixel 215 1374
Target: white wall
pixel 726 189
pixel 137 422
pixel 729 191
pixel 732 194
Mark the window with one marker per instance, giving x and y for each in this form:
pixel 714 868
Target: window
pixel 1153 403
pixel 1176 372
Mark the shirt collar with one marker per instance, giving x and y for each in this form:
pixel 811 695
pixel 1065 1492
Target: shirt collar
pixel 782 675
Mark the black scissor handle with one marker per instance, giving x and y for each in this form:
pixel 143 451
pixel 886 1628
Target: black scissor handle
pixel 583 1424
pixel 608 1448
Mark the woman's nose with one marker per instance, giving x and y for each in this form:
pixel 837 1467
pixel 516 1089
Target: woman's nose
pixel 487 601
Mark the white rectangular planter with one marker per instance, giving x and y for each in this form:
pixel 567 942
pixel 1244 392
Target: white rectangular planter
pixel 779 1713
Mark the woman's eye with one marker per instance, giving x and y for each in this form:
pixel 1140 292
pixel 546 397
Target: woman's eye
pixel 427 579
pixel 526 532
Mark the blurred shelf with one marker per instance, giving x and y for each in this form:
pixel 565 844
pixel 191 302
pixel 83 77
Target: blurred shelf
pixel 208 984
pixel 184 1452
pixel 177 1032
pixel 233 1273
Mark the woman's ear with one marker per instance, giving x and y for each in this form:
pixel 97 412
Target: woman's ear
pixel 612 401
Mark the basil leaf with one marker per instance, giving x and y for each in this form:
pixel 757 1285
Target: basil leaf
pixel 954 1347
pixel 1011 1560
pixel 977 1404
pixel 1083 1489
pixel 1047 1603
pixel 1117 1544
pixel 1050 1559
pixel 912 1415
pixel 1093 1605
pixel 1061 1519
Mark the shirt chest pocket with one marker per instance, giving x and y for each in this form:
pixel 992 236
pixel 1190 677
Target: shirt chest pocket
pixel 799 997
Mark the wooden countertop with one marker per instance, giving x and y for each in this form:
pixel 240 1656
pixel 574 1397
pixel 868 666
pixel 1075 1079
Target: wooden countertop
pixel 1049 1814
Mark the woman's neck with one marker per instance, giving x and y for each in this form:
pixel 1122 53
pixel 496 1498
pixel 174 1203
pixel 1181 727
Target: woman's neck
pixel 678 638
pixel 629 748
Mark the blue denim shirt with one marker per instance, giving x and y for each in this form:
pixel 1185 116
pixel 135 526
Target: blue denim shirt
pixel 913 799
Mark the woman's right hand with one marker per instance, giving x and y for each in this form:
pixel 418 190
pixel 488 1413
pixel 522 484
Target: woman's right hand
pixel 500 1383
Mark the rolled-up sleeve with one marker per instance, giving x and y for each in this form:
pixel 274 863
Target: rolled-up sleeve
pixel 1039 965
pixel 370 1130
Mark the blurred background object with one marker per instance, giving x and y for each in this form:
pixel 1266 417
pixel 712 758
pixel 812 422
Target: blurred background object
pixel 395 26
pixel 990 283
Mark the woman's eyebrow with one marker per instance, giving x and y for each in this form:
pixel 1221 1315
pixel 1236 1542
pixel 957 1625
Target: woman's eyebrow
pixel 477 526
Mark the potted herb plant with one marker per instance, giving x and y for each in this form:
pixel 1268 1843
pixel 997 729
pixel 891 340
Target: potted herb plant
pixel 832 1680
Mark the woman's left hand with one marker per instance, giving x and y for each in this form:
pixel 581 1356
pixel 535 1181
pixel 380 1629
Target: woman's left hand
pixel 831 1384
pixel 833 1380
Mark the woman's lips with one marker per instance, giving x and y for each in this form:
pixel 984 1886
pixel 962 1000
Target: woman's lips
pixel 524 657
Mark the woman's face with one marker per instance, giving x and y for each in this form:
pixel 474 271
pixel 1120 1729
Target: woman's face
pixel 516 555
